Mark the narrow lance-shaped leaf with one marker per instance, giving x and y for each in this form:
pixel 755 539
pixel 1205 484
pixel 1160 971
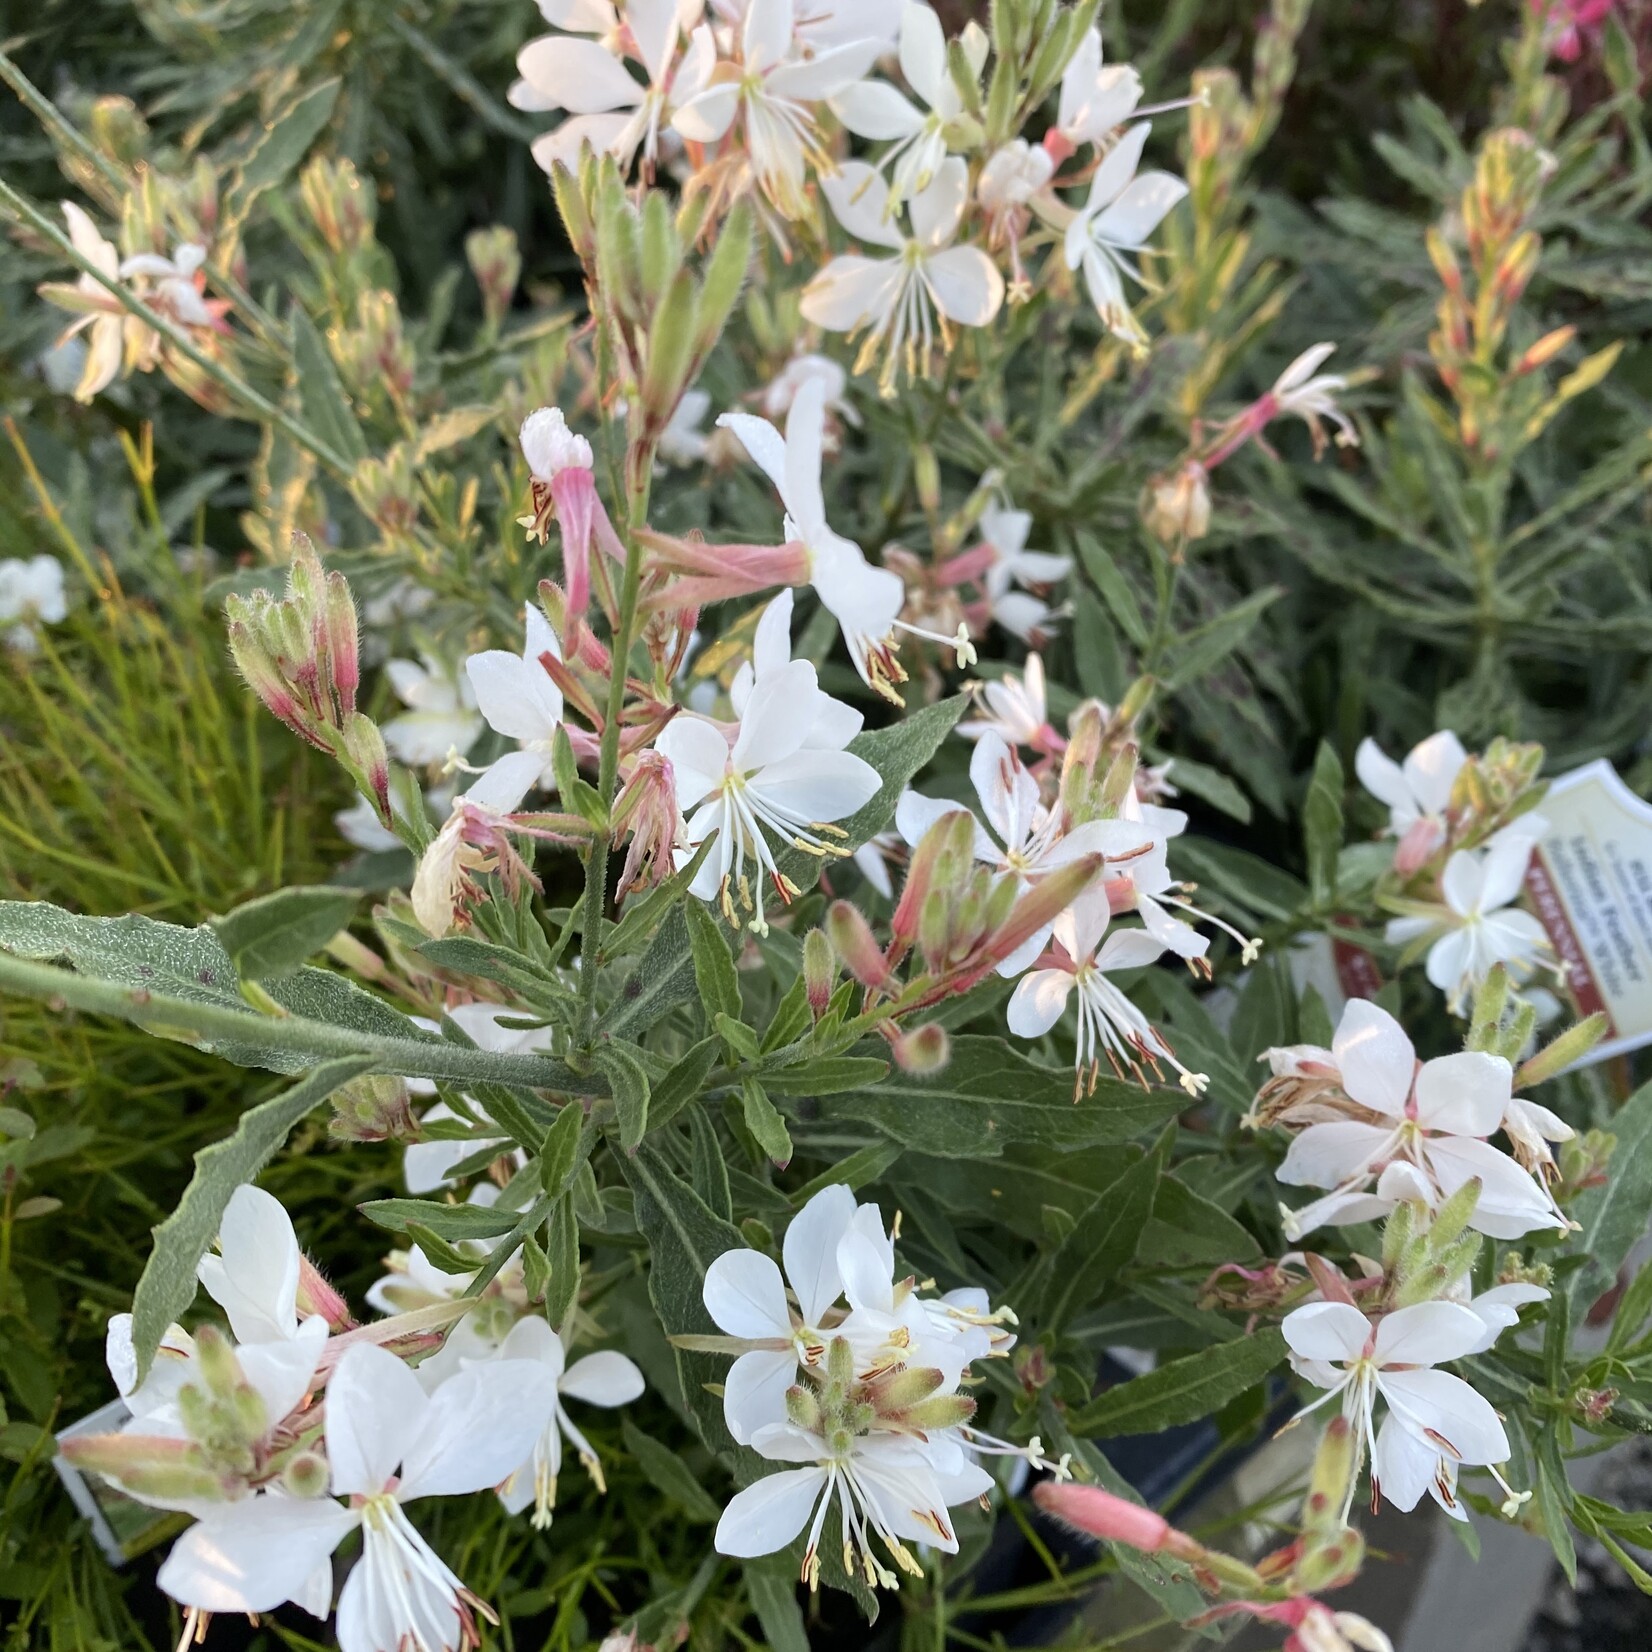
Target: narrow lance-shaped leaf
pixel 167 1285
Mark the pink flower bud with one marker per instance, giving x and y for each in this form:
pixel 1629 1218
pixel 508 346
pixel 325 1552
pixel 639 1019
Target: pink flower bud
pixel 1101 1514
pixel 854 943
pixel 925 1049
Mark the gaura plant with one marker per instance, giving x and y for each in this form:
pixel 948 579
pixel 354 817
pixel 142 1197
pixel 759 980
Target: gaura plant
pixel 900 1068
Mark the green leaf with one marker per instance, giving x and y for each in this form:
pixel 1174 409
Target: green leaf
pixel 1322 826
pixel 710 1167
pixel 684 1081
pixel 560 1155
pixel 276 933
pixel 286 141
pixel 865 1165
pixel 739 1039
pixel 1613 1215
pixel 825 1075
pixel 562 1254
pixel 773 1592
pixel 1553 1498
pixel 765 1123
pixel 1102 1241
pixel 1211 786
pixel 713 963
pixel 167 1286
pixel 663 979
pixel 470 955
pixel 1186 1230
pixel 684 1237
pixel 454 1223
pixel 669 1474
pixel 627 1079
pixel 1201 651
pixel 1184 1390
pixel 327 409
pixel 989 1097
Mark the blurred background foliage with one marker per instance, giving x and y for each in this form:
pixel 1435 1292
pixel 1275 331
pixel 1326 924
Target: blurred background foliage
pixel 1434 576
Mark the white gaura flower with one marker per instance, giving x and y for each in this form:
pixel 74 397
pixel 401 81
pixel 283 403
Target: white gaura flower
pixel 1095 98
pixel 780 392
pixel 779 1314
pixel 388 1444
pixel 771 91
pixel 518 699
pixel 865 600
pixel 835 723
pixel 606 1378
pixel 1028 839
pixel 1531 1127
pixel 101 317
pixel 769 778
pixel 886 1487
pixel 907 302
pixel 1004 532
pixel 1016 710
pixel 1310 396
pixel 1476 925
pixel 1417 792
pixel 1337 1348
pixel 1423 1136
pixel 1011 177
pixel 441 712
pixel 172 284
pixel 32 593
pixel 818 24
pixel 1121 212
pixel 1108 1023
pixel 610 110
pixel 874 109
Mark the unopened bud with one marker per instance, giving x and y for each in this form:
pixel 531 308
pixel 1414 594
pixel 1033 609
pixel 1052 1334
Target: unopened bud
pixel 1545 350
pixel 853 941
pixel 387 491
pixel 946 846
pixel 1336 1462
pixel 316 1296
pixel 343 653
pixel 306 1475
pixel 1043 904
pixel 364 751
pixel 1176 506
pixel 340 206
pixel 1104 1515
pixel 496 262
pixel 375 1108
pixel 925 1049
pixel 168 1470
pixel 1328 1559
pixel 819 971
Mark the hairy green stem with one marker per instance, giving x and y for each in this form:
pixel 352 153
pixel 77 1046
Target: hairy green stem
pixel 192 1021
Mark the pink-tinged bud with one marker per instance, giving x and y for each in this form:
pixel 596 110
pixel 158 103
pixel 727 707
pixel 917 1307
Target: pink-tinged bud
pixel 646 808
pixel 172 1470
pixel 263 677
pixel 1043 904
pixel 946 846
pixel 819 971
pixel 925 1049
pixel 316 1296
pixel 496 262
pixel 854 943
pixel 364 750
pixel 1101 1514
pixel 343 653
pixel 1545 350
pixel 715 573
pixel 1417 846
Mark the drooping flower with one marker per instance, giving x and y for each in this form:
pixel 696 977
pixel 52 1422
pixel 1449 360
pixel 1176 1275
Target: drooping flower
pixel 1109 1024
pixel 1411 1132
pixel 517 698
pixel 1302 392
pixel 388 1444
pixel 919 137
pixel 1338 1348
pixel 865 600
pixel 1417 792
pixel 1122 210
pixel 771 92
pixel 1095 99
pixel 610 110
pixel 605 1378
pixel 908 302
pixel 564 491
pixel 441 714
pixel 473 842
pixel 770 777
pixel 1016 710
pixel 1475 925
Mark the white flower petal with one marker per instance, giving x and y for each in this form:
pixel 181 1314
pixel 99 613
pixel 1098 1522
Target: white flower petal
pixel 1037 1002
pixel 1374 1056
pixel 1327 1331
pixel 1431 770
pixel 873 109
pixel 754 1391
pixel 479 1428
pixel 1465 1094
pixel 859 198
pixel 1427 1333
pixel 604 1378
pixel 937 210
pixel 768 1514
pixel 1442 1405
pixel 580 76
pixel 965 284
pixel 810 1250
pixel 252 1555
pixel 698 755
pixel 376 1413
pixel 746 1295
pixel 853 292
pixel 254 1278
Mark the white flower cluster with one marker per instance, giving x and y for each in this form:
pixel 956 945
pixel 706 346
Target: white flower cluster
pixel 854 1375
pixel 302 1427
pixel 733 95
